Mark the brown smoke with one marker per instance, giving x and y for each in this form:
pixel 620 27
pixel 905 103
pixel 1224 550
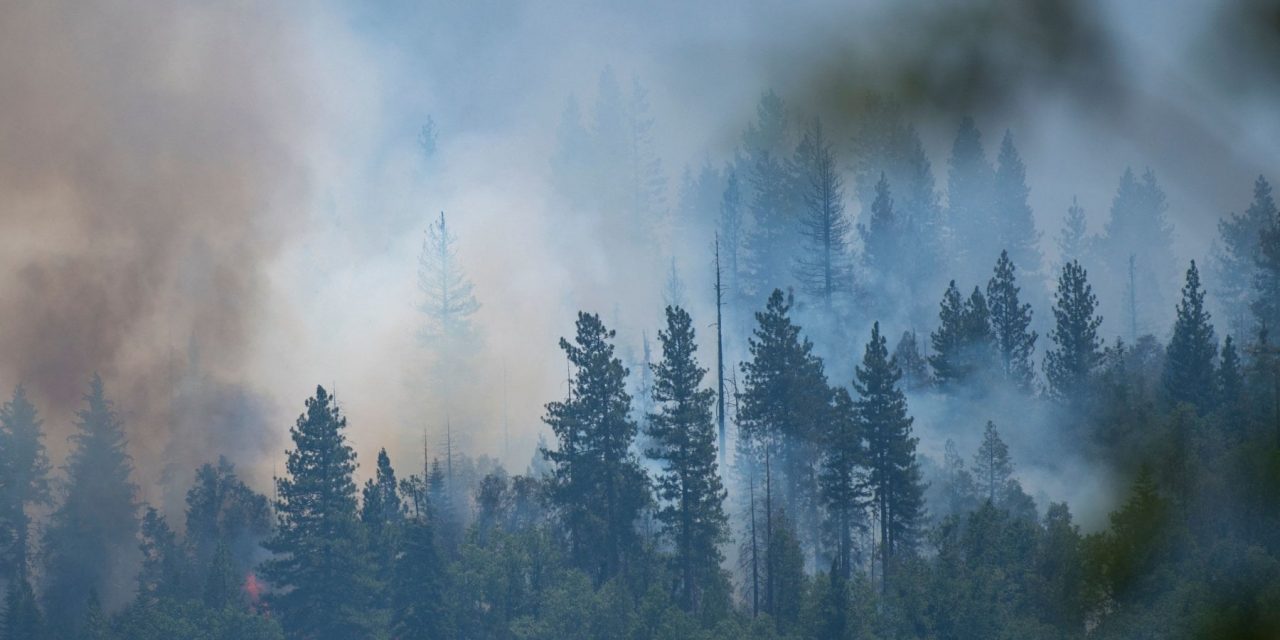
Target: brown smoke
pixel 148 168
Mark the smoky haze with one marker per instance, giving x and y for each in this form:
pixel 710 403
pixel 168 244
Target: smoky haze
pixel 220 206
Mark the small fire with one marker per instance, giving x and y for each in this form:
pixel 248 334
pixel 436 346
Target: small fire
pixel 253 588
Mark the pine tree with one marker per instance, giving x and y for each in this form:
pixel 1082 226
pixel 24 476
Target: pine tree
pixel 323 587
pixel 1193 349
pixel 1077 350
pixel 1010 324
pixel 1015 224
pixel 771 235
pixel 893 474
pixel 1236 256
pixel 1266 280
pixel 1072 240
pixel 979 338
pixel 382 512
pixel 958 489
pixel 24 479
pixel 419 597
pixel 991 466
pixel 882 239
pixel 21 619
pixel 597 484
pixel 166 569
pixel 909 360
pixel 692 511
pixel 92 533
pixel 783 406
pixel 1139 230
pixel 449 300
pixel 949 362
pixel 223 511
pixel 842 481
pixel 969 196
pixel 823 268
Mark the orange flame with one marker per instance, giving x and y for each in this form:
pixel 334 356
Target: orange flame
pixel 252 587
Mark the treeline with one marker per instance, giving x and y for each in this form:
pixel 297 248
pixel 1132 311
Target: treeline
pixel 767 498
pixel 838 534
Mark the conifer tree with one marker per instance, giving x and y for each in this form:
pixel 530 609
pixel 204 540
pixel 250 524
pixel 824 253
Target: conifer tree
pixel 893 474
pixel 949 340
pixel 323 586
pixel 1236 256
pixel 842 481
pixel 683 436
pixel 223 511
pixel 958 489
pixel 1010 324
pixel 166 569
pixel 597 484
pixel 1266 280
pixel 419 597
pixel 91 535
pixel 1077 349
pixel 979 339
pixel 24 479
pixel 1193 349
pixel 783 406
pixel 1015 224
pixel 914 366
pixel 969 191
pixel 1071 238
pixel 823 268
pixel 991 466
pixel 1137 246
pixel 382 512
pixel 882 239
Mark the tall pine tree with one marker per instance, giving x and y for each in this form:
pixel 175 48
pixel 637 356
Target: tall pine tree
pixel 1010 324
pixel 992 469
pixel 1077 350
pixel 323 583
pixel 684 441
pixel 1193 350
pixel 24 479
pixel 1236 255
pixel 969 189
pixel 597 484
pixel 91 537
pixel 1015 224
pixel 893 473
pixel 843 481
pixel 823 268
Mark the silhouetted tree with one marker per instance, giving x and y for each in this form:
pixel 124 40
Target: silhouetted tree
pixel 1077 349
pixel 991 466
pixel 323 584
pixel 893 474
pixel 1193 350
pixel 843 482
pixel 823 267
pixel 689 488
pixel 597 484
pixel 1015 225
pixel 91 535
pixel 969 198
pixel 1010 326
pixel 1236 256
pixel 24 479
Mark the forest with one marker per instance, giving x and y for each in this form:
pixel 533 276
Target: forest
pixel 782 494
pixel 516 320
